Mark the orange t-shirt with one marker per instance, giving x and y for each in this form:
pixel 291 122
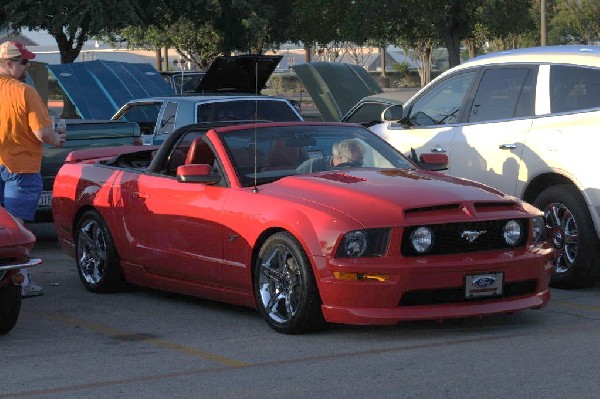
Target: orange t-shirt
pixel 22 111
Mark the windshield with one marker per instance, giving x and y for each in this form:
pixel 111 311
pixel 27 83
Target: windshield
pixel 267 154
pixel 246 110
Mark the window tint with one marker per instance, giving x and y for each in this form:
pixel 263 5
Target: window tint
pixel 367 113
pixel 574 88
pixel 441 104
pixel 144 114
pixel 499 93
pixel 247 110
pixel 167 122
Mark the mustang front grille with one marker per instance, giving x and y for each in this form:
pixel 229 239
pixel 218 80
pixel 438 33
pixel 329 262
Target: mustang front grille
pixel 452 238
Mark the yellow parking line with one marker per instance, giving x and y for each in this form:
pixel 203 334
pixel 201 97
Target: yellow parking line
pixel 140 337
pixel 576 305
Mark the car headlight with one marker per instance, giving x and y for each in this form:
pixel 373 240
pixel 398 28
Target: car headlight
pixel 512 232
pixel 421 239
pixel 361 243
pixel 537 228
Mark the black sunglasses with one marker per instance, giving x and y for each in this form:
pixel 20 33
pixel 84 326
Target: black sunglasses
pixel 21 61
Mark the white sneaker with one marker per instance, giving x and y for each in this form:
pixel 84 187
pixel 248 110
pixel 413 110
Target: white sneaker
pixel 31 289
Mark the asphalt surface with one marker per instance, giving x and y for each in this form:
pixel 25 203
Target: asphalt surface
pixel 70 343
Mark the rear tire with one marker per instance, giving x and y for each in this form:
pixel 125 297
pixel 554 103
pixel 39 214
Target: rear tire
pixel 570 229
pixel 284 287
pixel 10 306
pixel 97 260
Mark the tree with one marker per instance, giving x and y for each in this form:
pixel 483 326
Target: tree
pixel 575 21
pixel 72 22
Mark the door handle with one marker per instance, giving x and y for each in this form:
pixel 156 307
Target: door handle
pixel 438 149
pixel 137 194
pixel 508 146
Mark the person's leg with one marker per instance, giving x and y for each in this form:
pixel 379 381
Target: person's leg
pixel 22 192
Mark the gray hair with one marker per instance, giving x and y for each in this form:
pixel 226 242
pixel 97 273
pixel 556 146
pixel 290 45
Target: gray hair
pixel 350 150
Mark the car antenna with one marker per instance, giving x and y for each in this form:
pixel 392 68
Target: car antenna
pixel 255 189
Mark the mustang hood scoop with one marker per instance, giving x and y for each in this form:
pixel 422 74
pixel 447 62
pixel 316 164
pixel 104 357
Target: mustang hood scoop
pixel 367 190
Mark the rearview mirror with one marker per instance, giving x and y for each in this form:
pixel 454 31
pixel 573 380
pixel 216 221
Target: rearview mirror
pixel 392 113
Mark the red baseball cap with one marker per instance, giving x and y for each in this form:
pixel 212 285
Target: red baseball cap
pixel 15 50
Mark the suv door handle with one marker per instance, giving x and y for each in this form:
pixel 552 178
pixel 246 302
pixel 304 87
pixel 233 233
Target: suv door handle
pixel 507 146
pixel 438 149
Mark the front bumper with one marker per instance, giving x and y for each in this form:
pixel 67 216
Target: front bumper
pixel 434 282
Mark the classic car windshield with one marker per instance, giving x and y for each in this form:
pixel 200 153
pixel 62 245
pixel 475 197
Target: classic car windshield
pixel 268 154
pixel 246 110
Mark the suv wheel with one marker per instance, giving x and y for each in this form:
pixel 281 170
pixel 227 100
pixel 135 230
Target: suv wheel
pixel 570 229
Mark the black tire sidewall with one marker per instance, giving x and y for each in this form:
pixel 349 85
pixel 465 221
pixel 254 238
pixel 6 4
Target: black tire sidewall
pixel 10 307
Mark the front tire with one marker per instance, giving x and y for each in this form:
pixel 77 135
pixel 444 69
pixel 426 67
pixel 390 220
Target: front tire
pixel 97 260
pixel 284 286
pixel 10 306
pixel 570 229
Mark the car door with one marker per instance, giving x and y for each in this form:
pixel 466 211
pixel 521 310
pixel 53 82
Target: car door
pixel 431 120
pixel 488 147
pixel 174 228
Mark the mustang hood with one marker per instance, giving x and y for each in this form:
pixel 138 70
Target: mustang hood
pixel 336 87
pixel 382 196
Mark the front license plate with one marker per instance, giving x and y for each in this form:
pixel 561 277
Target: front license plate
pixel 483 285
pixel 45 200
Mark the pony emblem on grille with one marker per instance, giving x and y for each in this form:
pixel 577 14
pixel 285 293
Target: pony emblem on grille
pixel 472 235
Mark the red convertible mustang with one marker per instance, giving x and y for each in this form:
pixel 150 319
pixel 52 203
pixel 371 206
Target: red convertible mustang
pixel 308 222
pixel 15 244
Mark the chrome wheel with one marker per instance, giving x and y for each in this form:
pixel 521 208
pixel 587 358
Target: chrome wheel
pixel 280 284
pixel 570 230
pixel 91 251
pixel 563 232
pixel 284 286
pixel 96 256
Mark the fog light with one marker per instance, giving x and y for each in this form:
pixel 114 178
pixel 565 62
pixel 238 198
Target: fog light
pixel 512 232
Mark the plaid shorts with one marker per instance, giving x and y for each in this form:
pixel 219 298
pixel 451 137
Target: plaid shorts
pixel 20 193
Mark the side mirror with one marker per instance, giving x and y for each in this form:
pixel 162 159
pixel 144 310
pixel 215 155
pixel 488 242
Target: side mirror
pixel 430 161
pixel 392 113
pixel 197 173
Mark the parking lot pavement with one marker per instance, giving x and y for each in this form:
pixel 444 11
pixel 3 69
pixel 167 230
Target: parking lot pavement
pixel 140 343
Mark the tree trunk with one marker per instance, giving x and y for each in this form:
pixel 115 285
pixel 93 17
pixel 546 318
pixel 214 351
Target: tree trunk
pixel 166 60
pixel 158 60
pixel 383 61
pixel 307 52
pixel 452 40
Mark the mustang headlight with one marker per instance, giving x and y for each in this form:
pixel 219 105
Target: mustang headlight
pixel 421 239
pixel 512 232
pixel 361 243
pixel 537 228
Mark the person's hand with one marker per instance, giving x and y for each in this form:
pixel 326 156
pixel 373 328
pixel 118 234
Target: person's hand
pixel 62 137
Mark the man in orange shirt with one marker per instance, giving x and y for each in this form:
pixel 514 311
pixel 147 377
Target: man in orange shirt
pixel 24 126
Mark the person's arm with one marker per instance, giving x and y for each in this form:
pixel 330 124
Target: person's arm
pixel 49 136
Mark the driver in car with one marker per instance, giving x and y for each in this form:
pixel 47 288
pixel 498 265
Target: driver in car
pixel 345 153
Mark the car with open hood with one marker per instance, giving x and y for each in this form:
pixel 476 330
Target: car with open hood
pixel 346 93
pixel 240 213
pixel 229 91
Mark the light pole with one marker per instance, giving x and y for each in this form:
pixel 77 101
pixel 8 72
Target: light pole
pixel 543 27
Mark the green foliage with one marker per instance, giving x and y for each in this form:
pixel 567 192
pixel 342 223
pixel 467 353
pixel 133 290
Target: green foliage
pixel 575 21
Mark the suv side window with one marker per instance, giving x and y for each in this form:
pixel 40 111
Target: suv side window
pixel 503 93
pixel 144 114
pixel 167 122
pixel 441 104
pixel 573 88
